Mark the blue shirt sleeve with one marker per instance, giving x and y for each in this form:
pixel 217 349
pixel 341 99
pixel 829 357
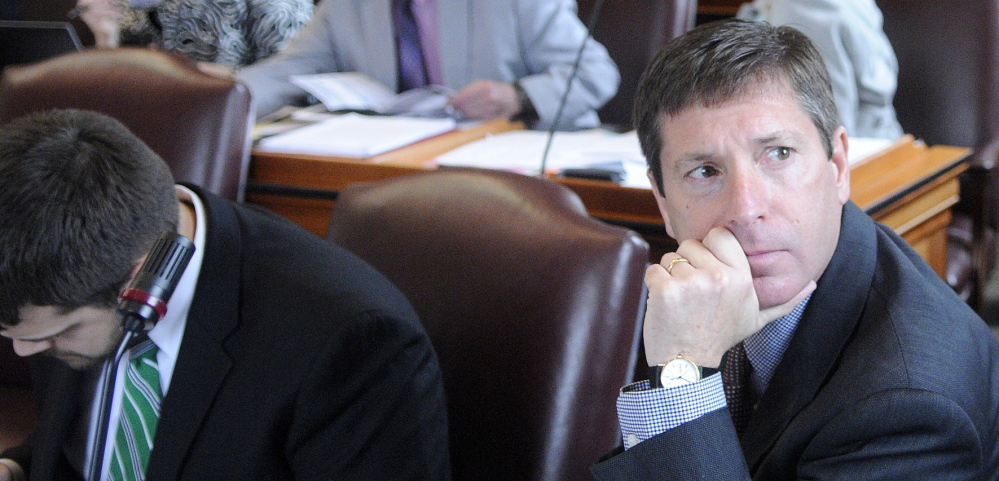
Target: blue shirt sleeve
pixel 645 412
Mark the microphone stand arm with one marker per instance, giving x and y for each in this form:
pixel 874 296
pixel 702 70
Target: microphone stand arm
pixel 109 373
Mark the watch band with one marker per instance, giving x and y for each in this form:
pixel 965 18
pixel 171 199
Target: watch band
pixel 527 112
pixel 656 382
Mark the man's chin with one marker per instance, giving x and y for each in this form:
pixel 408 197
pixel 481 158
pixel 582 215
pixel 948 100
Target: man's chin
pixel 773 291
pixel 77 362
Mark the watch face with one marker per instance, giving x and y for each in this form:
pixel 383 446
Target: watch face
pixel 679 372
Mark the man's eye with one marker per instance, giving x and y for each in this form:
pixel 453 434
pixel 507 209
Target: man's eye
pixel 703 172
pixel 781 153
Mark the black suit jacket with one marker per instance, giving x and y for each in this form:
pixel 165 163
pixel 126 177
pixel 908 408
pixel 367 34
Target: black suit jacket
pixel 888 376
pixel 298 361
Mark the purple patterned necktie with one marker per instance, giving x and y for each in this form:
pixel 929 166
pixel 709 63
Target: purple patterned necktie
pixel 412 69
pixel 736 376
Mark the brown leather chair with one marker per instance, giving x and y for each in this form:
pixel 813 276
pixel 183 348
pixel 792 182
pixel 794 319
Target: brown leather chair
pixel 633 32
pixel 531 305
pixel 198 123
pixel 948 93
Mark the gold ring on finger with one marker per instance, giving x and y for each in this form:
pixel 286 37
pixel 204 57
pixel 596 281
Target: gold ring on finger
pixel 669 268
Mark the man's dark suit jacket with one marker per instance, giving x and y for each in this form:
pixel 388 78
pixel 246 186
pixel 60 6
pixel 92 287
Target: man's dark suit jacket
pixel 888 376
pixel 298 361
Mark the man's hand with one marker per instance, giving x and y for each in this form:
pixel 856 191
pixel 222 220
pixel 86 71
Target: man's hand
pixel 704 306
pixel 487 99
pixel 101 16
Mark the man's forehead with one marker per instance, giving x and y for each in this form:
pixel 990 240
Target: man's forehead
pixel 39 322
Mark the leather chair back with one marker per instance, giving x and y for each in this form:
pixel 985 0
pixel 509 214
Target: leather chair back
pixel 633 32
pixel 532 306
pixel 948 93
pixel 948 80
pixel 198 124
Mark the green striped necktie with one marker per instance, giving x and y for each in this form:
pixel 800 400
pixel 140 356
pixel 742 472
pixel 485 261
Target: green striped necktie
pixel 140 413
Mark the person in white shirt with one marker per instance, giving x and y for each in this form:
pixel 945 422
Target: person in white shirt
pixel 861 62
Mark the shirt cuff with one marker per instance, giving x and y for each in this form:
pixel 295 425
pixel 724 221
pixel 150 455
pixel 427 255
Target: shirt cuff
pixel 645 412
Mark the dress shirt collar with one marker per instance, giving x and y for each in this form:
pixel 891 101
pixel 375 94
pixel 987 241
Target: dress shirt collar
pixel 169 331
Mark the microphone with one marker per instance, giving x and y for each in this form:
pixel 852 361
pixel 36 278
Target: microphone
pixel 141 303
pixel 597 6
pixel 144 300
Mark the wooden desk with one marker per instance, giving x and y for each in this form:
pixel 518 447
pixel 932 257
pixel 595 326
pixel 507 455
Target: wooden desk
pixel 910 187
pixel 723 8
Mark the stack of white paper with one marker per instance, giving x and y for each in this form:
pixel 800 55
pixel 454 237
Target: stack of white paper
pixel 522 150
pixel 355 135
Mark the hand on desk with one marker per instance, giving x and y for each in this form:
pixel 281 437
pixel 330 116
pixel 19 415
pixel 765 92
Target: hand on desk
pixel 703 306
pixel 487 99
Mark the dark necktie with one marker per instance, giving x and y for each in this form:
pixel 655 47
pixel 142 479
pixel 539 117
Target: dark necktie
pixel 412 70
pixel 736 377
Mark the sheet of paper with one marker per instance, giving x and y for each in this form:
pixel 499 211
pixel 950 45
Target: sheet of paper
pixel 339 91
pixel 861 148
pixel 522 150
pixel 345 90
pixel 355 135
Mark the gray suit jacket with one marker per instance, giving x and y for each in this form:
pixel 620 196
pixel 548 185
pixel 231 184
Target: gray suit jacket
pixel 535 41
pixel 888 376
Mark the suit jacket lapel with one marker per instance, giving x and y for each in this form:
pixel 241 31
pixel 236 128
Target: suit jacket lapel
pixel 826 326
pixel 61 409
pixel 203 362
pixel 453 21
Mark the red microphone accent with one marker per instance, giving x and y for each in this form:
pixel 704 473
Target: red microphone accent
pixel 145 298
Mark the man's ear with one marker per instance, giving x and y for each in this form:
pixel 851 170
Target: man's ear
pixel 661 203
pixel 841 164
pixel 138 265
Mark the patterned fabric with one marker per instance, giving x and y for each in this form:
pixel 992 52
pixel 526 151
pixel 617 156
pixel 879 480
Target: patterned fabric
pixel 645 412
pixel 766 348
pixel 229 32
pixel 140 414
pixel 412 69
pixel 738 391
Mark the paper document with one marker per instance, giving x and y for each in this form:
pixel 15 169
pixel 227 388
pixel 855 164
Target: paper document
pixel 356 135
pixel 521 151
pixel 359 92
pixel 861 148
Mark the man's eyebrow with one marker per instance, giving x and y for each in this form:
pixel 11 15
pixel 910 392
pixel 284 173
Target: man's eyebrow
pixel 779 137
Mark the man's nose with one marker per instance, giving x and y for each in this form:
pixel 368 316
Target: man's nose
pixel 747 192
pixel 28 348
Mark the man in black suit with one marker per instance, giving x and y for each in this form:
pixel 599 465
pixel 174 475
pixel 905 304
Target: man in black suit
pixel 857 361
pixel 281 356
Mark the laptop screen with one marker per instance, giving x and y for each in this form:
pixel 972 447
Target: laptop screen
pixel 27 42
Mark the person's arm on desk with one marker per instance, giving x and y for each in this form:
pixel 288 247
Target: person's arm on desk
pixel 309 52
pixel 488 99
